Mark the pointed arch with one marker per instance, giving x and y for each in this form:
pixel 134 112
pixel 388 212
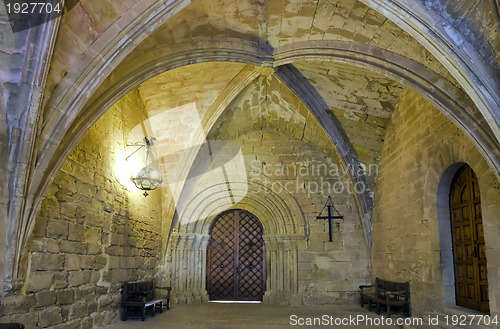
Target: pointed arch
pixel 447 44
pixel 427 83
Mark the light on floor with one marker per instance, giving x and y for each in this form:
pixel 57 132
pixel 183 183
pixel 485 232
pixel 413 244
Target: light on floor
pixel 236 301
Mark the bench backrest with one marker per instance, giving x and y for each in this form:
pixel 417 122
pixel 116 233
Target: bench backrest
pixel 381 286
pixel 137 291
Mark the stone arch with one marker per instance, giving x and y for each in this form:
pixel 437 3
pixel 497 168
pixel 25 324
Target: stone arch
pixel 446 97
pixel 279 212
pixel 427 83
pixel 464 62
pixel 285 230
pixel 436 208
pixel 444 226
pixel 50 160
pixel 113 45
pixel 72 120
pixel 116 42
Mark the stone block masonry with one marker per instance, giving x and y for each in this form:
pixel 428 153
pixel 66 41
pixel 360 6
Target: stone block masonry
pixel 421 144
pixel 91 235
pixel 288 157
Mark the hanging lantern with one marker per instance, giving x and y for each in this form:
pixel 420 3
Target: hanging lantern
pixel 148 178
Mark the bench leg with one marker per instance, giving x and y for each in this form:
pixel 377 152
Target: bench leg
pixel 143 313
pixel 124 313
pixel 168 304
pixel 378 308
pixel 161 307
pixel 388 311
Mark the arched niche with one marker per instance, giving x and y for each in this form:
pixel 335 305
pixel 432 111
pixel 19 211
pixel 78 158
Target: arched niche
pixel 285 231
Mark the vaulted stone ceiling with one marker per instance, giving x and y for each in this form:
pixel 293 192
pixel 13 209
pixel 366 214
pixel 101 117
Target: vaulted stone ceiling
pixel 362 101
pixel 346 61
pixel 252 31
pixel 353 59
pixel 200 84
pixel 262 33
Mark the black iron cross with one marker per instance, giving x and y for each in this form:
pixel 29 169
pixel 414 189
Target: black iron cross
pixel 330 216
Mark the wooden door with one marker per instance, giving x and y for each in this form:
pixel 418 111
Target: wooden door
pixel 236 258
pixel 469 253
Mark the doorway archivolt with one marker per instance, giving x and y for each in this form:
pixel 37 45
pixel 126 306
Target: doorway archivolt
pixel 465 216
pixel 284 234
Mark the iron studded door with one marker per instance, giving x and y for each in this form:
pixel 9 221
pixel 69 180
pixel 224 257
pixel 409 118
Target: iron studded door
pixel 469 253
pixel 236 258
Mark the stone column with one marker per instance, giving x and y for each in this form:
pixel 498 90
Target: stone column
pixel 187 267
pixel 28 53
pixel 282 269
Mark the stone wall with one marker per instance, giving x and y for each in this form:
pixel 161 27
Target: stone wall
pixel 288 158
pixel 327 272
pixel 92 233
pixel 410 239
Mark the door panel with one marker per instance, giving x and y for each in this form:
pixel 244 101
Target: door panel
pixel 469 252
pixel 236 258
pixel 251 246
pixel 222 255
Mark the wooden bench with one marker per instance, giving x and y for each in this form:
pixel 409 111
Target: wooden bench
pixel 388 293
pixel 138 296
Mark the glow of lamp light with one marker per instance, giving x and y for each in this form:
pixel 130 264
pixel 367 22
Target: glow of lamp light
pixel 125 169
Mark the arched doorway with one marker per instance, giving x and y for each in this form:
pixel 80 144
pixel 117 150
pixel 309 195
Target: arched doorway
pixel 469 252
pixel 236 257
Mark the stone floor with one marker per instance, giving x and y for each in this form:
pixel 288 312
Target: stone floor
pixel 246 316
